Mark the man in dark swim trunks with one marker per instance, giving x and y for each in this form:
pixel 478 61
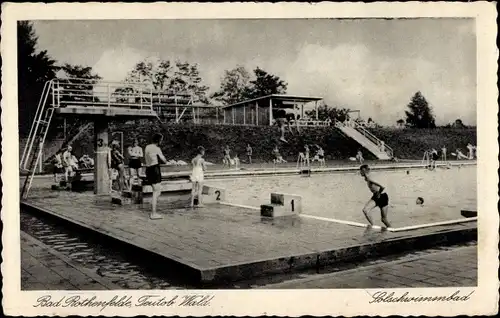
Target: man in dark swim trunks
pixel 378 199
pixel 153 157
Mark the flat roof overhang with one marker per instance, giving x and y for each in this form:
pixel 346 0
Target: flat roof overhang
pixel 278 97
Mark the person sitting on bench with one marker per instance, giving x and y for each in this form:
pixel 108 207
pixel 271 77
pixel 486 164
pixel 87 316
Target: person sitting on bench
pixel 58 165
pixel 67 163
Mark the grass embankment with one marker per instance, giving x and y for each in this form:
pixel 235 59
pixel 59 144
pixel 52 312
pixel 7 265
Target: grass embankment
pixel 181 140
pixel 411 143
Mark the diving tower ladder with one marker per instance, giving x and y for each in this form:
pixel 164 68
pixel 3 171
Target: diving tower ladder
pixel 38 133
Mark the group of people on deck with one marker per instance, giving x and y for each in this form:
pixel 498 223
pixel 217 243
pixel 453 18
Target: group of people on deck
pixel 277 158
pixel 66 163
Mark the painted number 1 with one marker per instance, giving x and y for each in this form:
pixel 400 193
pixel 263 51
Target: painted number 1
pixel 293 206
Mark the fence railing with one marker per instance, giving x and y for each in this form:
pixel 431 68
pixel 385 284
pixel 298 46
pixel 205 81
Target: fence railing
pixel 85 92
pixel 305 123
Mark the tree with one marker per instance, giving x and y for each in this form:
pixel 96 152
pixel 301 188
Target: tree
pixel 236 85
pixel 187 79
pixel 420 113
pixel 458 124
pixel 163 77
pixel 264 84
pixel 157 74
pixel 33 70
pixel 233 87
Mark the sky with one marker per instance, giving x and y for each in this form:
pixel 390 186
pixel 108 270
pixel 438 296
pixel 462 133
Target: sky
pixel 373 65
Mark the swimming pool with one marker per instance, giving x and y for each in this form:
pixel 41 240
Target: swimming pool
pixel 343 195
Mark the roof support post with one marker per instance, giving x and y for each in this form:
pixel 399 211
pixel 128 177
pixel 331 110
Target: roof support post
pixel 316 107
pixel 270 111
pixel 256 114
pixel 101 136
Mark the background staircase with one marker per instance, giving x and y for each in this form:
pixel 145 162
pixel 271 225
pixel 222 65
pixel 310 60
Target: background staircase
pixel 366 139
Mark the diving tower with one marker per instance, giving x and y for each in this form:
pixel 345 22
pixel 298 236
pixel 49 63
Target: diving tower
pixel 100 102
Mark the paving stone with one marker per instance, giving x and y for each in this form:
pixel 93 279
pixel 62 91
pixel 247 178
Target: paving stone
pixel 387 274
pixel 52 273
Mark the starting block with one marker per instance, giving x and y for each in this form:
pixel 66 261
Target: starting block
pixel 62 185
pixel 213 194
pixel 118 198
pixel 282 204
pixel 468 213
pixel 305 171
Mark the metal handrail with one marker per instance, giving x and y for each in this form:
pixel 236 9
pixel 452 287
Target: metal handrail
pixel 95 81
pixel 23 159
pixel 368 135
pixel 104 92
pixel 305 123
pixel 34 128
pixel 99 93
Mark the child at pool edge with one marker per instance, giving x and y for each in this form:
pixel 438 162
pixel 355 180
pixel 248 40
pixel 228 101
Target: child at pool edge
pixel 197 176
pixel 379 198
pixel 359 157
pixel 307 155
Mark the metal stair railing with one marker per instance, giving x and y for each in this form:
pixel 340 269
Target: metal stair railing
pixel 388 150
pixel 28 147
pixel 37 156
pixel 372 138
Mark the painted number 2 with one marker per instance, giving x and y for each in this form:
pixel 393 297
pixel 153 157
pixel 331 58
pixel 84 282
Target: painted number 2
pixel 293 205
pixel 217 193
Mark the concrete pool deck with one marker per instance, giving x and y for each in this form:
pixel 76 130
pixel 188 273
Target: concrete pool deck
pixel 222 242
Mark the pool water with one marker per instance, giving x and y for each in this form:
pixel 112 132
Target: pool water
pixel 343 195
pixel 123 270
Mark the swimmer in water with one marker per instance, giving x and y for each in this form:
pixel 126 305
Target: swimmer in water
pixel 379 198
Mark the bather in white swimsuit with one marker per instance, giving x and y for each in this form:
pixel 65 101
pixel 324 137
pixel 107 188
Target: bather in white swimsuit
pixel 197 175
